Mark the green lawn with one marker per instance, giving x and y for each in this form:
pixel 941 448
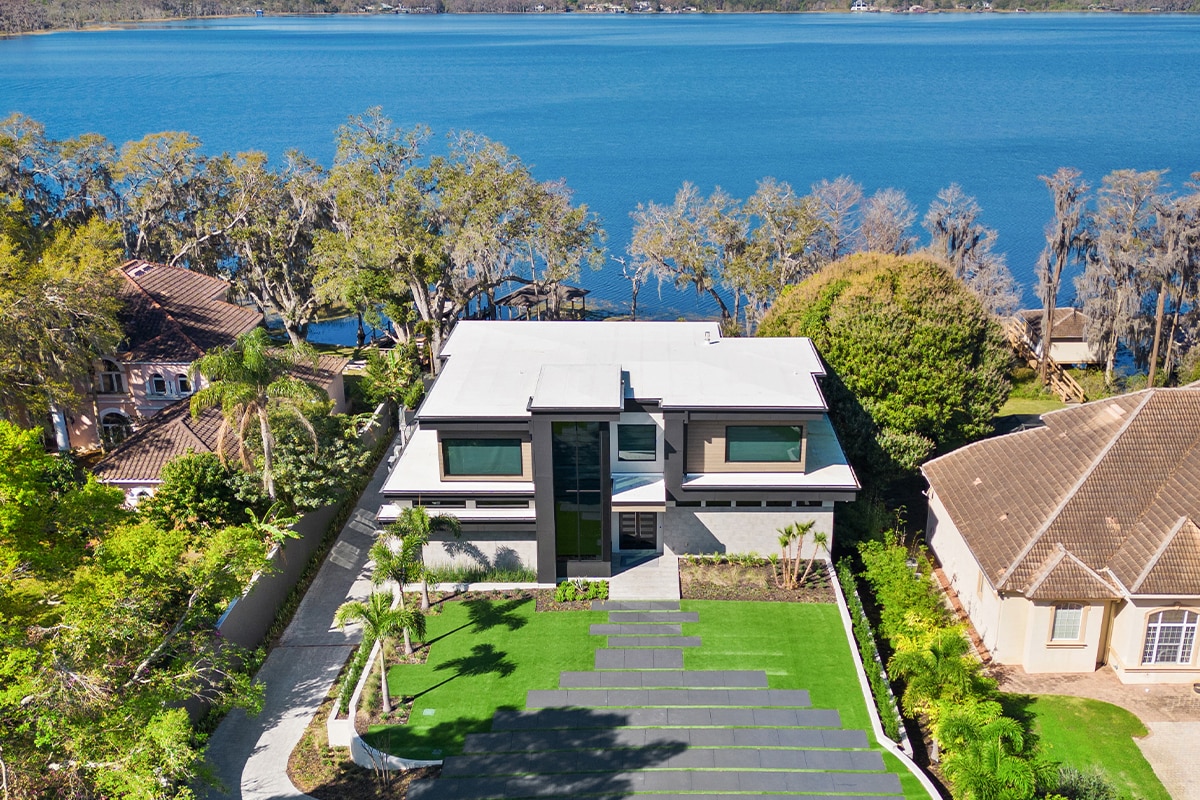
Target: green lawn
pixel 484 655
pixel 800 645
pixel 1029 405
pixel 1084 733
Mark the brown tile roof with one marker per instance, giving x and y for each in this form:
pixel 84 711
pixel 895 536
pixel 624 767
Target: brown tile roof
pixel 170 433
pixel 1068 323
pixel 173 314
pixel 1113 484
pixel 323 373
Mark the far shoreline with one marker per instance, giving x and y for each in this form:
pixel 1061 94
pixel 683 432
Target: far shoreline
pixel 132 23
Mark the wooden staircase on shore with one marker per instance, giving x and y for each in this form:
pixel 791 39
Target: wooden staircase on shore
pixel 1061 383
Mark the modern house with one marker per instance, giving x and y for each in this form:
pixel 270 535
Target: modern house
pixel 135 465
pixel 170 317
pixel 1076 545
pixel 568 445
pixel 1068 345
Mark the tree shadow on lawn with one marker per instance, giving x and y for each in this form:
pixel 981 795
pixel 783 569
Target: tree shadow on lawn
pixel 484 615
pixel 434 742
pixel 484 659
pixel 565 753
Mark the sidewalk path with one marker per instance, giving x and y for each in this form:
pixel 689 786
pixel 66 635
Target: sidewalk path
pixel 249 754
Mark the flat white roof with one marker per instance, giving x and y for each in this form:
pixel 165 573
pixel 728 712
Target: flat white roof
pixel 592 387
pixel 493 369
pixel 639 489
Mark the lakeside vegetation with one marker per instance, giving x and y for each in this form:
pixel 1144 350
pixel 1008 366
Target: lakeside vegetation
pixel 30 16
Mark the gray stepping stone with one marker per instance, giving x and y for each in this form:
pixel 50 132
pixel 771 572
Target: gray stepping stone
pixel 646 658
pixel 635 605
pixel 633 617
pixel 664 679
pixel 636 629
pixel 664 756
pixel 580 718
pixel 654 641
pixel 623 698
pixel 513 741
pixel 700 785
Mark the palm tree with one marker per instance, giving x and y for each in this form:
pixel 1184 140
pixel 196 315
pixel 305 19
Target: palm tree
pixel 397 559
pixel 249 379
pixel 994 766
pixel 792 535
pixel 380 619
pixel 939 669
pixel 417 523
pixel 820 542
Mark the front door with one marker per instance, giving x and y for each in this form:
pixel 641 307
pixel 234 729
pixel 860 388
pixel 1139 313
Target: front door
pixel 638 530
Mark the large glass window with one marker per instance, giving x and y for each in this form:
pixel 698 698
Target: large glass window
pixel 637 442
pixel 463 457
pixel 1068 618
pixel 763 443
pixel 578 489
pixel 158 384
pixel 1170 636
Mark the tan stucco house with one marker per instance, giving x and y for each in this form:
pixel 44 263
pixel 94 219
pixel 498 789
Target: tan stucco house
pixel 1076 544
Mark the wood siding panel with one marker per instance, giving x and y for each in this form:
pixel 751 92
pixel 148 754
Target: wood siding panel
pixel 706 448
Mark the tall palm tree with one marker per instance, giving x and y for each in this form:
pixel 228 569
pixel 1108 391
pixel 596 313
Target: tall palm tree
pixel 397 559
pixel 380 619
pixel 417 522
pixel 248 380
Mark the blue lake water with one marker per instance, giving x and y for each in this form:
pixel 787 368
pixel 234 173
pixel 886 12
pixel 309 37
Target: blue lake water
pixel 628 107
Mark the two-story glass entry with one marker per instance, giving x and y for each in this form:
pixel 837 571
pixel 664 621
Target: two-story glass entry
pixel 580 456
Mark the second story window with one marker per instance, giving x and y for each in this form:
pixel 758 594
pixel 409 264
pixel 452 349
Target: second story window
pixel 763 443
pixel 185 385
pixel 637 442
pixel 158 384
pixel 111 379
pixel 469 457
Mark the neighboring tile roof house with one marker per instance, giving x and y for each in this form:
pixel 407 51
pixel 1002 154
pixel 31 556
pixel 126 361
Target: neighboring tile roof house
pixel 173 432
pixel 173 314
pixel 1101 502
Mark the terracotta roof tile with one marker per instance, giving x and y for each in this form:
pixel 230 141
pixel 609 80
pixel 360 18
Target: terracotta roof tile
pixel 174 314
pixel 170 433
pixel 1105 482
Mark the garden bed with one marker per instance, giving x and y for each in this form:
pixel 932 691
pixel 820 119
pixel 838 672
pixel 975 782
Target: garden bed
pixel 328 773
pixel 747 579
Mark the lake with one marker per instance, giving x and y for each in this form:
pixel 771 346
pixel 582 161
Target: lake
pixel 628 107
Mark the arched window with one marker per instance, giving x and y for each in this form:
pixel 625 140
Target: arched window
pixel 1170 637
pixel 158 384
pixel 111 379
pixel 184 384
pixel 115 428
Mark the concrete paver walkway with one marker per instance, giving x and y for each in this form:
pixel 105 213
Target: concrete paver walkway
pixel 654 578
pixel 679 734
pixel 249 754
pixel 1171 712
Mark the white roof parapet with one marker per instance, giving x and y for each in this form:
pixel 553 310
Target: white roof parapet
pixel 500 370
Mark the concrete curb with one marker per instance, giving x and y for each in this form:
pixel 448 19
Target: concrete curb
pixel 865 686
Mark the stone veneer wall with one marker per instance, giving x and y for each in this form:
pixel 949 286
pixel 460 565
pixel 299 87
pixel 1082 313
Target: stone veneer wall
pixel 738 530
